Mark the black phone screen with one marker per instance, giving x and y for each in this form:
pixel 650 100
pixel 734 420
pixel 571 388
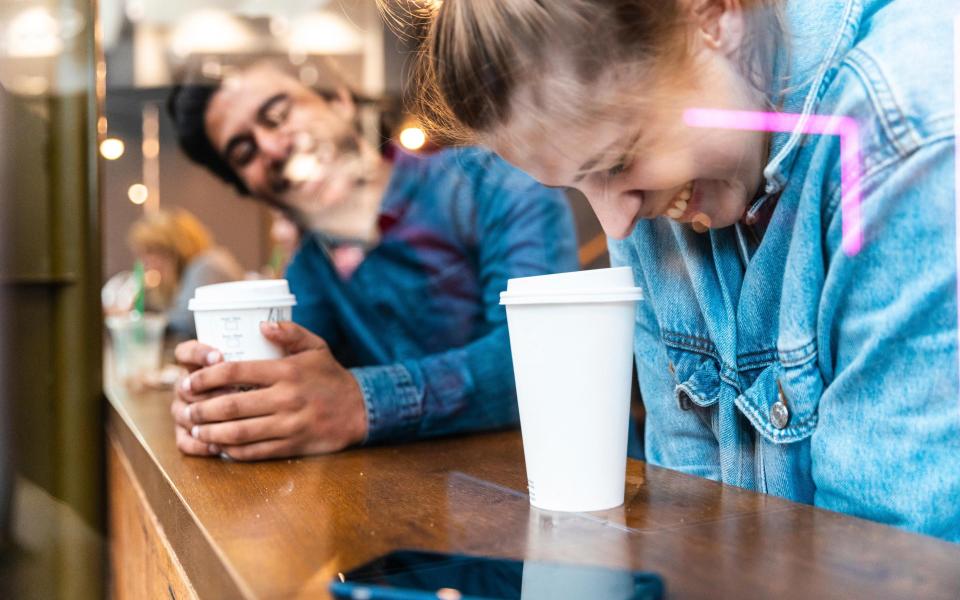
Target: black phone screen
pixel 496 578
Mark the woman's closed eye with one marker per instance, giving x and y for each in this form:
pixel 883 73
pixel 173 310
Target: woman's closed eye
pixel 616 169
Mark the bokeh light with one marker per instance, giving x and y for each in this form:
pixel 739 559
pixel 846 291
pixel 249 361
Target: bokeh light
pixel 111 148
pixel 413 138
pixel 138 193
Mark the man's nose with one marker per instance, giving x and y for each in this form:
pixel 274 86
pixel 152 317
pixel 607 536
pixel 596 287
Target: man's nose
pixel 274 145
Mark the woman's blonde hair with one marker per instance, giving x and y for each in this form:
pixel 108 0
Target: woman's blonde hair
pixel 178 234
pixel 475 54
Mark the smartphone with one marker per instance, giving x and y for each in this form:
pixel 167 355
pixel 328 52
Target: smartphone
pixel 418 575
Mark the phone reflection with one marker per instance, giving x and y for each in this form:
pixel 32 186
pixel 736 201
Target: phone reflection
pixel 567 555
pixel 561 537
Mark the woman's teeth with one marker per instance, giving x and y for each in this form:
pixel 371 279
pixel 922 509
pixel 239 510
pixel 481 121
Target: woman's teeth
pixel 701 223
pixel 680 202
pixel 678 209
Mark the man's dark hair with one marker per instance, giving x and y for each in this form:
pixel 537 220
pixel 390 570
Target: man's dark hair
pixel 187 107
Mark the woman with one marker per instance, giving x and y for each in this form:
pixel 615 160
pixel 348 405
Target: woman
pixel 178 255
pixel 774 353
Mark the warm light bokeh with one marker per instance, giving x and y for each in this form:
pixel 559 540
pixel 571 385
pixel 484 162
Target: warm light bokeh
pixel 138 193
pixel 413 138
pixel 111 148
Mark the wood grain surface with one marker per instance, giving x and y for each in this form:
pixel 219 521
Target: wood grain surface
pixel 284 529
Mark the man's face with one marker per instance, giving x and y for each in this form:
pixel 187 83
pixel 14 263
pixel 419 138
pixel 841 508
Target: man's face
pixel 287 144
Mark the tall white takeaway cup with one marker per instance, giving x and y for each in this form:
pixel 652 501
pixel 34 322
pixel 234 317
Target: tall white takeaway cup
pixel 571 337
pixel 228 316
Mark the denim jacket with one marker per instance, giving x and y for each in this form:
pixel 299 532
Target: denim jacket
pixel 419 321
pixel 788 366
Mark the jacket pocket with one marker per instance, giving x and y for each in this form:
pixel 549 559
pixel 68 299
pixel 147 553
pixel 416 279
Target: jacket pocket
pixel 782 402
pixel 696 373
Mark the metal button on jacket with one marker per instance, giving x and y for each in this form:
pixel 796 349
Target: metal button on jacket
pixel 779 413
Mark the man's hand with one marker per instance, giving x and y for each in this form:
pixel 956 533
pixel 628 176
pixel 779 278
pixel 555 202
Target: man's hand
pixel 192 356
pixel 306 403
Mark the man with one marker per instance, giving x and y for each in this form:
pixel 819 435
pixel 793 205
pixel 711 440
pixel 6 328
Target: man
pixel 410 342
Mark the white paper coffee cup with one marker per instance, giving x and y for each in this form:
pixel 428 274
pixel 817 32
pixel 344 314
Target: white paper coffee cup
pixel 571 337
pixel 228 316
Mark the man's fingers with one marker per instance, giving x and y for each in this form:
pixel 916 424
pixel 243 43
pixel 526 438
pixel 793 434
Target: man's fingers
pixel 245 431
pixel 189 445
pixel 257 373
pixel 180 416
pixel 193 355
pixel 190 397
pixel 291 337
pixel 262 450
pixel 230 407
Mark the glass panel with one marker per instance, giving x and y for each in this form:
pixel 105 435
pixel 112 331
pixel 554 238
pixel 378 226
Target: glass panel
pixel 50 276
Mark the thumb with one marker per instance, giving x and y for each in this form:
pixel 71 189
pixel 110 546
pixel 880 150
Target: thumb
pixel 291 337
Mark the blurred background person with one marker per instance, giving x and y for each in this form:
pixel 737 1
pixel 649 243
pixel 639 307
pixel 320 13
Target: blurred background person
pixel 178 255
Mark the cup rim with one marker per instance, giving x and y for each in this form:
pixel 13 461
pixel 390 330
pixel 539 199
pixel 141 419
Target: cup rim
pixel 199 305
pixel 630 294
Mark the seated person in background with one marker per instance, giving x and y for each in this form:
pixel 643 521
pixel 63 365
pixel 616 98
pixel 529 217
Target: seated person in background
pixel 409 343
pixel 178 255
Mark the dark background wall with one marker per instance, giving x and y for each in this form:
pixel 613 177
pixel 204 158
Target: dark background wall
pixel 237 223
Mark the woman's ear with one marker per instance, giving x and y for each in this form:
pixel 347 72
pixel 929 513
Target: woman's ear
pixel 721 24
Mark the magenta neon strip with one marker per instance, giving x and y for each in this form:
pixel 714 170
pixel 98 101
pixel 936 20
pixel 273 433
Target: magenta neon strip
pixel 851 163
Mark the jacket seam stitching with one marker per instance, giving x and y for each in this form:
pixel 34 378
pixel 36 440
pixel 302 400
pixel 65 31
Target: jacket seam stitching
pixel 875 83
pixel 867 178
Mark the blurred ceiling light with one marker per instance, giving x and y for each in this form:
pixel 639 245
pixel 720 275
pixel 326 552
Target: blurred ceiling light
pixel 34 33
pixel 211 31
pixel 272 8
pixel 413 138
pixel 138 193
pixel 111 148
pixel 323 33
pixel 135 10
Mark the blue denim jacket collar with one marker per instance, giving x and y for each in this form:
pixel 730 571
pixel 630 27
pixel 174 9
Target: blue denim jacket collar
pixel 805 68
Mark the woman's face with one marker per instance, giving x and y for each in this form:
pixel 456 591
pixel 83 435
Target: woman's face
pixel 160 270
pixel 638 159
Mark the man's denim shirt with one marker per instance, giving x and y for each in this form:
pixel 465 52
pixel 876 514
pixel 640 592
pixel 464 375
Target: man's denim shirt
pixel 864 346
pixel 419 320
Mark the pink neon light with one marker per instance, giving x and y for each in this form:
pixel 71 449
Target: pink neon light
pixel 851 163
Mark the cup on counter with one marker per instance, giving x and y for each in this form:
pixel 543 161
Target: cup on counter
pixel 228 316
pixel 571 338
pixel 136 345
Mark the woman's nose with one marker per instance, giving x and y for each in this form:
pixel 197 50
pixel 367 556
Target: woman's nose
pixel 616 211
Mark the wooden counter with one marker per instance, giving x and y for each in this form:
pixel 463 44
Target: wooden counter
pixel 197 527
